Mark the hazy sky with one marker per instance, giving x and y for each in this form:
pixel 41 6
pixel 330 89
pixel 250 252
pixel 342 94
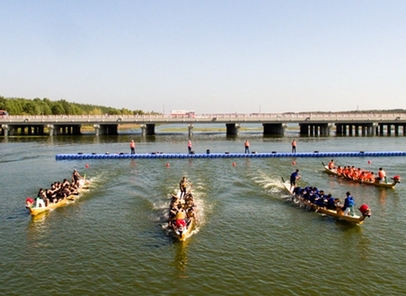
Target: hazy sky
pixel 208 56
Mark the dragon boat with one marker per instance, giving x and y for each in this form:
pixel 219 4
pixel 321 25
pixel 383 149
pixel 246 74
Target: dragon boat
pixel 337 213
pixel 182 215
pixel 37 206
pixel 377 183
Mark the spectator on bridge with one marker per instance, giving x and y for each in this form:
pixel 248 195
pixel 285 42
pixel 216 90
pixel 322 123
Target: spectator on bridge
pixel 247 146
pixel 189 146
pixel 132 147
pixel 294 146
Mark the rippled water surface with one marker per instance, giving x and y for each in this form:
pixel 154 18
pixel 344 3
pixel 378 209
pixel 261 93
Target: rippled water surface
pixel 250 239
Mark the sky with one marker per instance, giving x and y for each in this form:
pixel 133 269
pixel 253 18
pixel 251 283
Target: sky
pixel 209 56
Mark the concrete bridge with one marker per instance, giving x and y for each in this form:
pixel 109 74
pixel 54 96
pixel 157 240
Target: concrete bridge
pixel 311 124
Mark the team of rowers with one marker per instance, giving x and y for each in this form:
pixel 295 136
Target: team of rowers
pixel 357 174
pixel 59 190
pixel 182 208
pixel 318 199
pixel 313 195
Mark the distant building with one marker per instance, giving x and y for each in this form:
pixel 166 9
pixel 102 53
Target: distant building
pixel 183 114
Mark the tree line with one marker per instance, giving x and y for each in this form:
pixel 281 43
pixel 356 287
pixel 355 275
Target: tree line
pixel 22 106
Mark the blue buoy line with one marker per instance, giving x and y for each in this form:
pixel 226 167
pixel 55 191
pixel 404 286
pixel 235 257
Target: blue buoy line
pixel 226 155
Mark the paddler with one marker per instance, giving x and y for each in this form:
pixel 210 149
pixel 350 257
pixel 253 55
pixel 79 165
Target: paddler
pixel 331 164
pixel 183 186
pixel 349 204
pixel 381 175
pixel 294 177
pixel 76 177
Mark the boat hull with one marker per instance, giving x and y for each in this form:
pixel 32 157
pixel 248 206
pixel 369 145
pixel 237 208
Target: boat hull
pixel 38 210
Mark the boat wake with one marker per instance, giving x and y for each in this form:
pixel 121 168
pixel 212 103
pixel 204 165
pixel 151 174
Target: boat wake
pixel 269 183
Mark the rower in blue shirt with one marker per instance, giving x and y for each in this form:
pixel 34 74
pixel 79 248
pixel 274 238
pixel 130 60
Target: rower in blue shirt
pixel 294 177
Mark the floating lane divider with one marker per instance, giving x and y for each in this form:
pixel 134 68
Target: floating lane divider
pixel 226 155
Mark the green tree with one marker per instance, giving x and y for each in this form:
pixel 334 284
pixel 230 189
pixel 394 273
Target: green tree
pixel 57 109
pixel 31 108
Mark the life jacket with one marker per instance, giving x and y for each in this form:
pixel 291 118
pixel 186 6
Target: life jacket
pixel 349 201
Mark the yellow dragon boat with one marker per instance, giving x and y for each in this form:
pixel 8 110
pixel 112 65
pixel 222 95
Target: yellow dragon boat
pixel 38 206
pixel 182 215
pixel 395 179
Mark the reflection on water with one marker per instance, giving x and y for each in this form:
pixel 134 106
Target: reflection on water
pixel 383 194
pixel 37 229
pixel 180 261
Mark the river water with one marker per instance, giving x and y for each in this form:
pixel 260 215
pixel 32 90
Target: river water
pixel 250 239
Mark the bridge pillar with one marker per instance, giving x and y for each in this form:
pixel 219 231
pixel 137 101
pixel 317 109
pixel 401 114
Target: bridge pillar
pixel 350 129
pixel 109 129
pixel 314 130
pixel 344 133
pixel 339 128
pixel 311 130
pixel 4 128
pixel 273 129
pixel 396 128
pixel 150 129
pixel 51 129
pixel 324 129
pixel 356 129
pixel 232 129
pixel 304 129
pixel 147 129
pixel 190 130
pixel 376 128
pixel 370 129
pixel 96 129
pixel 76 130
pixel 12 130
pixel 381 127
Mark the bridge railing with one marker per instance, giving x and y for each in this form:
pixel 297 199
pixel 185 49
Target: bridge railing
pixel 335 116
